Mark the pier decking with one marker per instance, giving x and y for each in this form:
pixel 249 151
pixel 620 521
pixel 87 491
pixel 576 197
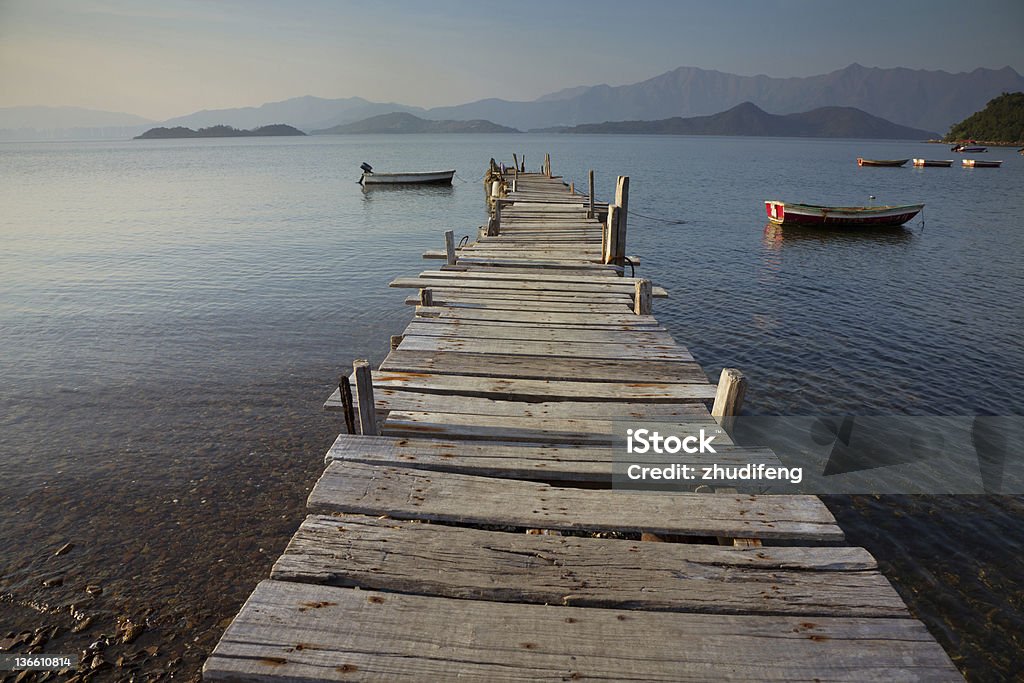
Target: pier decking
pixel 470 530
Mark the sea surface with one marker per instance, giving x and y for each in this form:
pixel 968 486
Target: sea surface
pixel 173 314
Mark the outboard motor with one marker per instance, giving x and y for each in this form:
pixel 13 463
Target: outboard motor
pixel 366 167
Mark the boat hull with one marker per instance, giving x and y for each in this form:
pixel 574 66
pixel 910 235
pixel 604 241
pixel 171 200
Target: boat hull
pixel 977 163
pixel 417 178
pixel 809 215
pixel 941 163
pixel 888 163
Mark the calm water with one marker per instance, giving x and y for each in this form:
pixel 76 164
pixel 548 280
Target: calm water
pixel 173 313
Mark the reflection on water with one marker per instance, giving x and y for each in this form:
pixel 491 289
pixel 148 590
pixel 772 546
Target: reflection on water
pixel 775 236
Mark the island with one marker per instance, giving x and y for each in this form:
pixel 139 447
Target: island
pixel 749 119
pixel 402 122
pixel 272 130
pixel 1001 122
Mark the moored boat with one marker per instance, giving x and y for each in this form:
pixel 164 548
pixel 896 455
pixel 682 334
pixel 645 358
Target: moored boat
pixel 968 148
pixel 405 178
pixel 788 213
pixel 978 163
pixel 944 163
pixel 892 163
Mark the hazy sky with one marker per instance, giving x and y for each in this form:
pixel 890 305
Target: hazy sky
pixel 172 57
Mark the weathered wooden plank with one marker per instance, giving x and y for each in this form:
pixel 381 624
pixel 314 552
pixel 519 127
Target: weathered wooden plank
pixel 415 494
pixel 630 282
pixel 515 285
pixel 531 298
pixel 517 389
pixel 626 321
pixel 551 349
pixel 291 631
pixel 481 330
pixel 529 367
pixel 551 461
pixel 526 429
pixel 390 399
pixel 411 557
pixel 513 303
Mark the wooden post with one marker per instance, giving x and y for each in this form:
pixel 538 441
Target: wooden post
pixel 522 167
pixel 609 236
pixel 572 187
pixel 622 201
pixel 497 216
pixel 493 230
pixel 396 339
pixel 426 297
pixel 642 298
pixel 515 161
pixel 364 395
pixel 732 387
pixel 347 406
pixel 590 210
pixel 449 246
pixel 547 165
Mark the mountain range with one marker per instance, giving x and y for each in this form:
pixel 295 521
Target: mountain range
pixel 749 119
pixel 930 100
pixel 404 122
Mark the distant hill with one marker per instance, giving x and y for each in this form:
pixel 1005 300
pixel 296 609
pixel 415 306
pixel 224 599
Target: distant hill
pixel 403 122
pixel 55 123
pixel 272 130
pixel 749 119
pixel 1002 120
pixel 930 100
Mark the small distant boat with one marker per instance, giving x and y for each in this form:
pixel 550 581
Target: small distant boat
pixel 892 163
pixel 787 213
pixel 944 163
pixel 405 178
pixel 978 163
pixel 968 148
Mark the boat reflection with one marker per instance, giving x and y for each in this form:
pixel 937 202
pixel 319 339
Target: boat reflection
pixel 407 190
pixel 775 235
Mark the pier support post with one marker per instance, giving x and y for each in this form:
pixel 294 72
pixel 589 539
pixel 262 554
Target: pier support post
pixel 572 187
pixel 590 193
pixel 364 395
pixel 347 405
pixel 493 229
pixel 426 297
pixel 732 387
pixel 497 216
pixel 449 246
pixel 622 201
pixel 547 164
pixel 515 161
pixel 396 339
pixel 642 298
pixel 610 234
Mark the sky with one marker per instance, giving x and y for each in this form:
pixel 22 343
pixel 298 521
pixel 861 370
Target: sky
pixel 173 57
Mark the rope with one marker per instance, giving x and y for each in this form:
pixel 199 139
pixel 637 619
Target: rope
pixel 670 221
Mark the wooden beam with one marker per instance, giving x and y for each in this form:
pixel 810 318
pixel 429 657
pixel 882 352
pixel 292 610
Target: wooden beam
pixel 590 193
pixel 364 395
pixel 732 387
pixel 449 246
pixel 642 302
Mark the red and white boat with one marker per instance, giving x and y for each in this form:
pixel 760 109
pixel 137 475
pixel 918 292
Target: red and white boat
pixel 787 213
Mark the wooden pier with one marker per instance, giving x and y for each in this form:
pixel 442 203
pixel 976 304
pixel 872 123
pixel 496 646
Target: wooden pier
pixel 469 529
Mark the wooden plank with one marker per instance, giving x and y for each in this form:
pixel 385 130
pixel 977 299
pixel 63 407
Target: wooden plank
pixel 356 551
pixel 415 494
pixel 389 399
pixel 552 461
pixel 528 367
pixel 516 389
pixel 481 330
pixel 591 320
pixel 528 298
pixel 565 430
pixel 517 304
pixel 291 631
pixel 511 285
pixel 550 349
